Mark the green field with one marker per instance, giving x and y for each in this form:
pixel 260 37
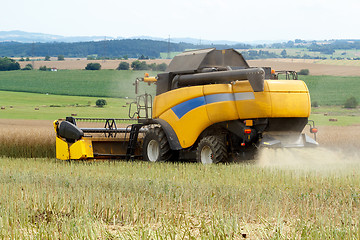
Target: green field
pixel 104 83
pixel 19 105
pixel 49 199
pixel 344 116
pixel 332 90
pixel 326 90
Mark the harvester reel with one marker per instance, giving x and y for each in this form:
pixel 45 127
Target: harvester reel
pixel 156 147
pixel 211 149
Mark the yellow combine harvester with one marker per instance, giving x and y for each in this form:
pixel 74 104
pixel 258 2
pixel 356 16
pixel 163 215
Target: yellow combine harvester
pixel 209 106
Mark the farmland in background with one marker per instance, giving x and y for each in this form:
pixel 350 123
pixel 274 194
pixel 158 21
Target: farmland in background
pixel 20 105
pixel 326 90
pixel 80 63
pixel 331 90
pixel 316 67
pixel 301 52
pixel 104 83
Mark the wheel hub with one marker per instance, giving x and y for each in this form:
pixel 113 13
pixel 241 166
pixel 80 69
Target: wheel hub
pixel 153 150
pixel 206 155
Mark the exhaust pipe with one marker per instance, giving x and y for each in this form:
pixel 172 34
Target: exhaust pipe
pixel 255 76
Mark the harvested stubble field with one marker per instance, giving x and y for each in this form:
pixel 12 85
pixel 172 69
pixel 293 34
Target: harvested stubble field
pixel 284 194
pixel 36 138
pixel 80 63
pixel 316 67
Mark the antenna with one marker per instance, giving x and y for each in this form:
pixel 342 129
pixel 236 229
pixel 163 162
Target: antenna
pixel 104 53
pixel 32 55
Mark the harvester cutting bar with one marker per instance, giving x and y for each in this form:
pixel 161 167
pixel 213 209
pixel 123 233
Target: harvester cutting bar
pixel 103 119
pixel 107 130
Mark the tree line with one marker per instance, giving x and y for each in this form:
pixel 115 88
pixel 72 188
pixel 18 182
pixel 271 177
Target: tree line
pixel 132 48
pixel 145 49
pixel 8 64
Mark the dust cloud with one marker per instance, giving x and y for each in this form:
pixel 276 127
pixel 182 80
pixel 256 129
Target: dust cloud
pixel 318 159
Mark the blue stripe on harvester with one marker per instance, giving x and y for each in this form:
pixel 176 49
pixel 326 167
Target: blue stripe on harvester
pixel 181 109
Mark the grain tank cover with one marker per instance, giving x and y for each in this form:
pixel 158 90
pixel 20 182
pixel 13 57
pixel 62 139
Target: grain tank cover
pixel 193 61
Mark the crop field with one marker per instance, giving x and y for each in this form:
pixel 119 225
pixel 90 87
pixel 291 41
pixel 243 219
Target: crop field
pixel 316 67
pixel 332 90
pixel 20 105
pixel 349 53
pixel 282 194
pixel 285 194
pixel 104 83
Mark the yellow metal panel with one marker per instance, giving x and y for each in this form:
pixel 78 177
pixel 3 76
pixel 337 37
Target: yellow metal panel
pixel 220 110
pixel 62 149
pixel 81 149
pixel 259 107
pixel 169 99
pixel 249 123
pixel 289 86
pixel 280 98
pixel 290 104
pixel 289 98
pixel 217 88
pixel 150 79
pixel 242 86
pixel 189 127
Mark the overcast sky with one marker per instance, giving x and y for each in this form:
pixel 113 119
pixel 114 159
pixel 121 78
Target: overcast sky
pixel 234 20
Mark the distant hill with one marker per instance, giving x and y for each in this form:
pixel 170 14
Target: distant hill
pixel 195 41
pixel 29 37
pixel 24 44
pixel 108 49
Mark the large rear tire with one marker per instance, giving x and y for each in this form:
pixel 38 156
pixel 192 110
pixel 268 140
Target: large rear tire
pixel 211 149
pixel 156 147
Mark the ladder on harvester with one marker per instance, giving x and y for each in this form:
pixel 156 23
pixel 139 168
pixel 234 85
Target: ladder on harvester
pixel 143 107
pixel 134 133
pixel 143 112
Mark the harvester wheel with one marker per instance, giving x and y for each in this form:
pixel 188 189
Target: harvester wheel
pixel 211 149
pixel 156 147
